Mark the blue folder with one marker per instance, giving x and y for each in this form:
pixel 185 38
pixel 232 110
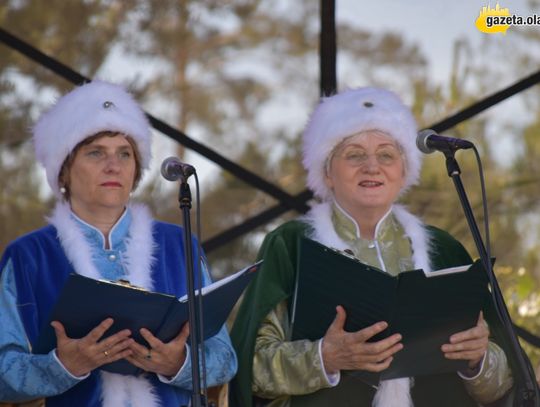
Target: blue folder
pixel 85 302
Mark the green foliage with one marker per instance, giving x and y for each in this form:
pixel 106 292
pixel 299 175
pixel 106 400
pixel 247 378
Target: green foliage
pixel 520 289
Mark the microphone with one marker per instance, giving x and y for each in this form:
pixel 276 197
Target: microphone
pixel 172 169
pixel 429 141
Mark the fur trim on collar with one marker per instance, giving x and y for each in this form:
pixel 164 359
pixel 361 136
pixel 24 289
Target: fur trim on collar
pixel 420 239
pixel 140 247
pixel 394 393
pixel 322 230
pixel 116 389
pixel 138 258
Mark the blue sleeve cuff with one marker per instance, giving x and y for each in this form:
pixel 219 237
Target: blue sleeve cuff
pixel 78 378
pixel 181 375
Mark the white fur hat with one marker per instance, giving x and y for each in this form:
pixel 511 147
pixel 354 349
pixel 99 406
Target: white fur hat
pixel 350 112
pixel 85 111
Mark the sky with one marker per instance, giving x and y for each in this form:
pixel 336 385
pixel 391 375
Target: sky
pixel 434 24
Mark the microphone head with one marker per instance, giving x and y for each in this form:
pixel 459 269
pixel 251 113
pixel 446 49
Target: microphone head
pixel 171 169
pixel 421 140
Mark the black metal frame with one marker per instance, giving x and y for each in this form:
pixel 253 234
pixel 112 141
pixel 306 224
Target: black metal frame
pixel 328 86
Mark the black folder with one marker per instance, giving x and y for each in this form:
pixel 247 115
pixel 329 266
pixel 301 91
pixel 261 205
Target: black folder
pixel 425 308
pixel 85 302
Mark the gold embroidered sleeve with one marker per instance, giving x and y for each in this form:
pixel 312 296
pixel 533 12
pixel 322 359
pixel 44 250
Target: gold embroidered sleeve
pixel 494 379
pixel 281 367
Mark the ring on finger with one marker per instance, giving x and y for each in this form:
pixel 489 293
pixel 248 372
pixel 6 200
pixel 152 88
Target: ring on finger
pixel 106 353
pixel 149 355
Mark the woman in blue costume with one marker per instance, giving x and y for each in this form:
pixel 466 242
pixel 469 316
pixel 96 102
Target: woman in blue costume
pixel 95 144
pixel 360 155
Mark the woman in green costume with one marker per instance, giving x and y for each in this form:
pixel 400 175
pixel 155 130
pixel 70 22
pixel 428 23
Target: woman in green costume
pixel 360 155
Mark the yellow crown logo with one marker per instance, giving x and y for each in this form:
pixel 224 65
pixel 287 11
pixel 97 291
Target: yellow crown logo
pixel 488 18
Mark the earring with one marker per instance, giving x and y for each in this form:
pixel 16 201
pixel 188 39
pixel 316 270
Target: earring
pixel 62 190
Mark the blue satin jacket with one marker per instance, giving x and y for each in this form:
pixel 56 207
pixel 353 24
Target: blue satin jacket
pixel 33 270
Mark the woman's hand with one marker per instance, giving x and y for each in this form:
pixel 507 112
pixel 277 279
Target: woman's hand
pixel 350 350
pixel 81 356
pixel 469 345
pixel 162 358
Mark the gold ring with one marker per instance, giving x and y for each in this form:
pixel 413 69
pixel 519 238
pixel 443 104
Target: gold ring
pixel 106 353
pixel 149 356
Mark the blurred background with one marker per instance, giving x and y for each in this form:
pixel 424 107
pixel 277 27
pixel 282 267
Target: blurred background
pixel 241 76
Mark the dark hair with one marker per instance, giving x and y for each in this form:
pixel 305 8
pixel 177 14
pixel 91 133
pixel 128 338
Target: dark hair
pixel 63 176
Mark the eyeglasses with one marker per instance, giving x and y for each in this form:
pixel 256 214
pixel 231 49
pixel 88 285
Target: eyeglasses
pixel 357 156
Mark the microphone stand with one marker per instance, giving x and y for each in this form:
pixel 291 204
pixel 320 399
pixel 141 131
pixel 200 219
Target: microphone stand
pixel 198 399
pixel 527 393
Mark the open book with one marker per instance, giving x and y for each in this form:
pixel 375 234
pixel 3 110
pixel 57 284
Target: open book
pixel 425 308
pixel 85 302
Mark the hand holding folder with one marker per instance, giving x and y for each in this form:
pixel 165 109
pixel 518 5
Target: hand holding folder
pixel 425 308
pixel 85 302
